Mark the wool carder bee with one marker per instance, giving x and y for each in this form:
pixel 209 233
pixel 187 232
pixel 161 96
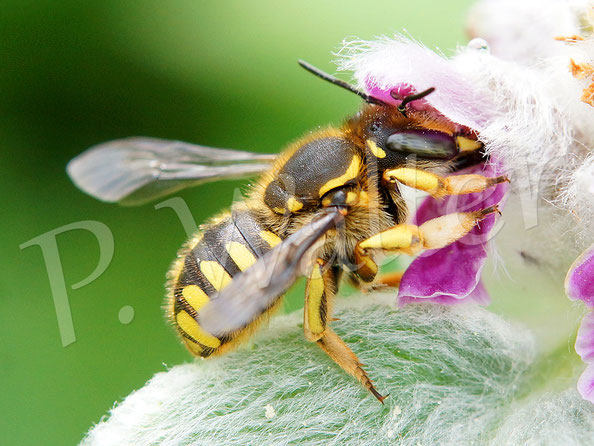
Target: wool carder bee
pixel 326 206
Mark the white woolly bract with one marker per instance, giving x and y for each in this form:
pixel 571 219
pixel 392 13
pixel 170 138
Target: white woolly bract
pixel 523 31
pixel 532 118
pixel 387 62
pixel 450 372
pixel 546 133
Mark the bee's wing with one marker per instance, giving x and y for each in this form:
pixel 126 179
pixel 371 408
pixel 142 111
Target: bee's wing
pixel 256 289
pixel 134 171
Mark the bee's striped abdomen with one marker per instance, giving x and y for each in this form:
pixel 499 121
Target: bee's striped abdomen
pixel 223 249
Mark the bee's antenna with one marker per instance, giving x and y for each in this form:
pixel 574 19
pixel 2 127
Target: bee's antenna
pixel 411 97
pixel 343 84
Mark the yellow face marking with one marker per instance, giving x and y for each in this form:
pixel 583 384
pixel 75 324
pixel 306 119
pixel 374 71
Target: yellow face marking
pixel 351 173
pixel 294 205
pixel 215 274
pixel 400 236
pixel 270 237
pixel 188 324
pixel 467 145
pixel 279 210
pixel 195 296
pixel 241 255
pixel 377 151
pixel 315 291
pixel 419 179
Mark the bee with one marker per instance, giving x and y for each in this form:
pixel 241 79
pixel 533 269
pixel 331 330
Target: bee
pixel 327 206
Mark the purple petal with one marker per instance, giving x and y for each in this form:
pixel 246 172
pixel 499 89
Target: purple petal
pixel 453 273
pixel 478 296
pixel 585 384
pixel 579 283
pixel 390 70
pixel 584 344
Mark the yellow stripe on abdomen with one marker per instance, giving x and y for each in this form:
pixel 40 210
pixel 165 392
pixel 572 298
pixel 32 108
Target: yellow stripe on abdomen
pixel 241 255
pixel 195 296
pixel 189 325
pixel 215 274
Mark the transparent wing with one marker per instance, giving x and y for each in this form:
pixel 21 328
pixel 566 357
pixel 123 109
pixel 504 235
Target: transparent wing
pixel 134 171
pixel 256 289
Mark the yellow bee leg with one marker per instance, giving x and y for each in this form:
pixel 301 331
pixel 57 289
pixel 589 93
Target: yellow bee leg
pixel 433 234
pixel 320 289
pixel 438 186
pixel 347 360
pixel 389 279
pixel 366 266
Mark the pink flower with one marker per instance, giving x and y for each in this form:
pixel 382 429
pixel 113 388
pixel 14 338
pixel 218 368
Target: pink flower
pixel 579 285
pixel 451 274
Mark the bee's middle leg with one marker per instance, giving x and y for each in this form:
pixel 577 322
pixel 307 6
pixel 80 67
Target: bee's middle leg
pixel 320 290
pixel 433 234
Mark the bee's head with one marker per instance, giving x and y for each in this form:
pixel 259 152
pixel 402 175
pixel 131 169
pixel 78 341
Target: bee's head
pixel 393 139
pixel 393 134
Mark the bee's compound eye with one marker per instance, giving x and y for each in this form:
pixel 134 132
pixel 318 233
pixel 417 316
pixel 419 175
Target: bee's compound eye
pixel 424 143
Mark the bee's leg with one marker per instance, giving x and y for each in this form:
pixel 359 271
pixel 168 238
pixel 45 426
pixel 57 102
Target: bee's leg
pixel 433 234
pixel 389 280
pixel 381 282
pixel 320 289
pixel 438 186
pixel 347 360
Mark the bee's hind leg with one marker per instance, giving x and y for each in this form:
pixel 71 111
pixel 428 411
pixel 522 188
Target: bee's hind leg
pixel 320 289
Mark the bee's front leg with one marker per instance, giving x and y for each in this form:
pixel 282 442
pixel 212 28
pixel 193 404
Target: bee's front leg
pixel 320 290
pixel 433 234
pixel 438 186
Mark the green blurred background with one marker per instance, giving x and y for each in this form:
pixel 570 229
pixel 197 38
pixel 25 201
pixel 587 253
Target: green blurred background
pixel 77 73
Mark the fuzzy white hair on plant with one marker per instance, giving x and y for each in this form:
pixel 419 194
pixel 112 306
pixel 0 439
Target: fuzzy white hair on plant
pixel 530 118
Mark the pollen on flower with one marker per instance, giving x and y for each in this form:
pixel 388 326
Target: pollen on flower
pixel 588 96
pixel 580 70
pixel 584 71
pixel 569 39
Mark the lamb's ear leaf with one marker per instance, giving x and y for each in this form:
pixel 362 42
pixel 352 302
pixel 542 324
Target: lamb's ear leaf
pixel 455 375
